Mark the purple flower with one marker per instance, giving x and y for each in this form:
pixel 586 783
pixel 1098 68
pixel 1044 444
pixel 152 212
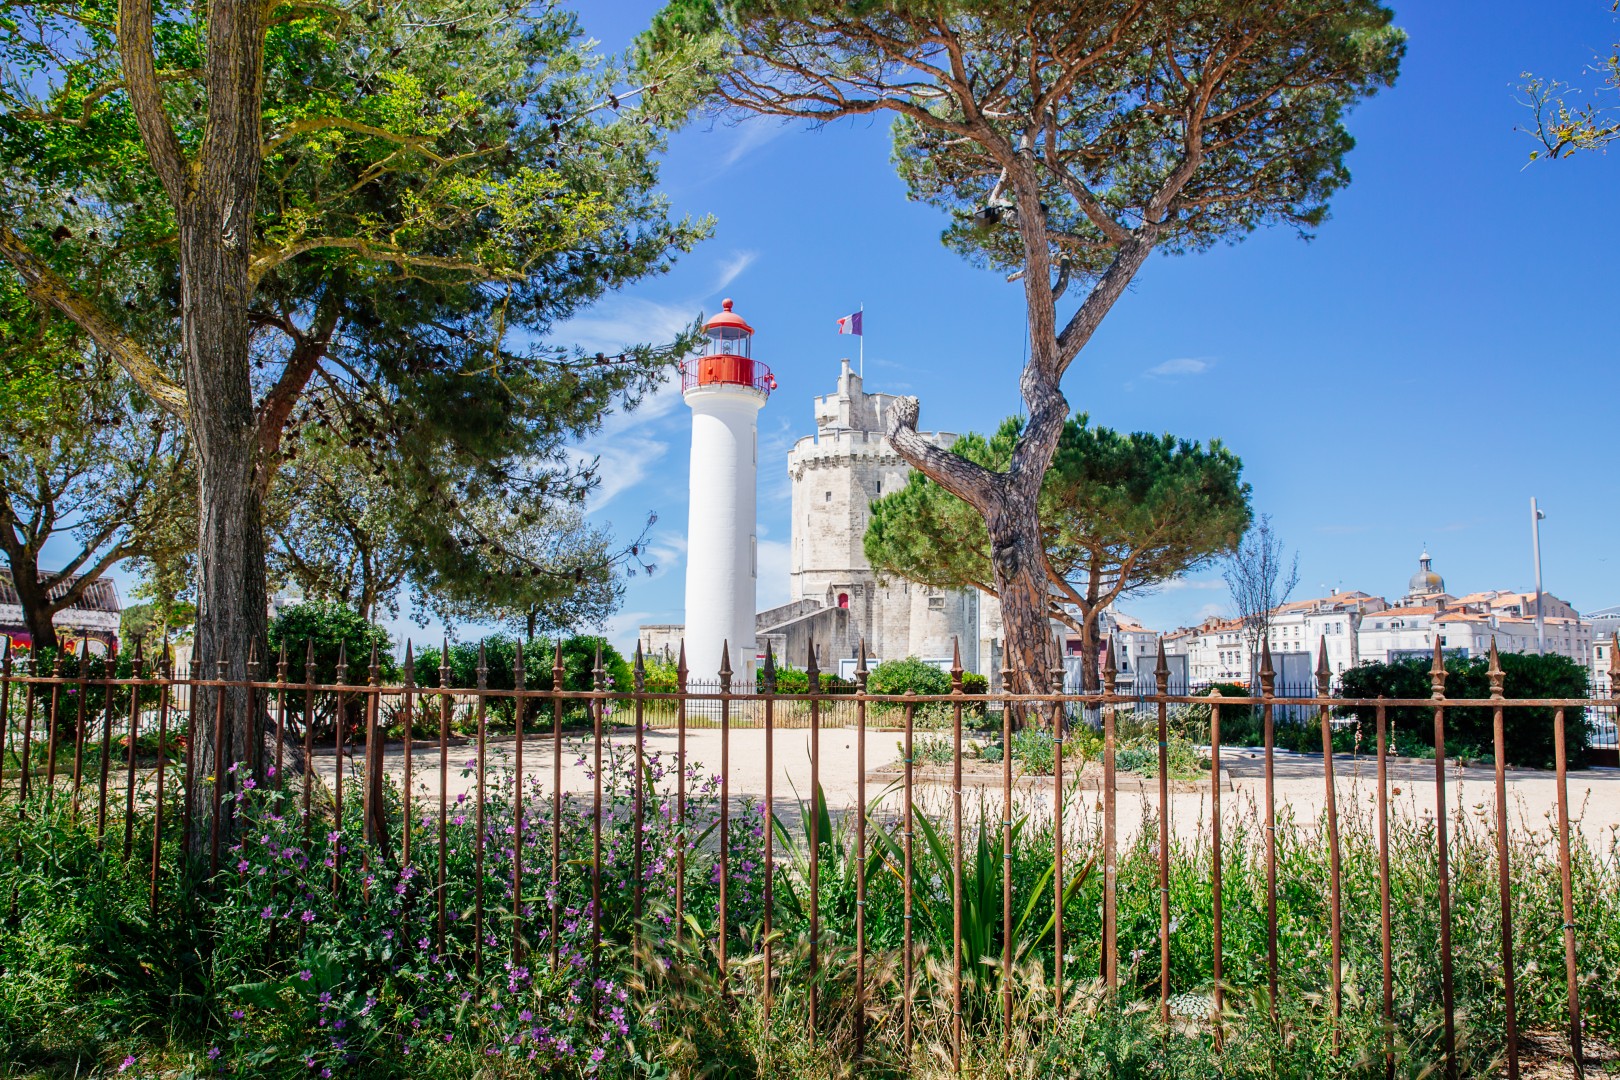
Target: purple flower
pixel 304 974
pixel 127 1062
pixel 213 1052
pixel 237 1014
pixel 308 916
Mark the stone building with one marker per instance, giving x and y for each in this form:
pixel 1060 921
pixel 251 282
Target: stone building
pixel 837 598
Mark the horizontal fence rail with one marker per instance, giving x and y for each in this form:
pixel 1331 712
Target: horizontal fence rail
pixel 641 850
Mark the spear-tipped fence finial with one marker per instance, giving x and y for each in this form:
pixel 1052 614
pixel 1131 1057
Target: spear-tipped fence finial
pixel 767 674
pixel 1494 672
pixel 725 666
pixel 1324 673
pixel 1268 674
pixel 1161 670
pixel 1437 671
pixel 639 671
pixel 681 671
pixel 410 664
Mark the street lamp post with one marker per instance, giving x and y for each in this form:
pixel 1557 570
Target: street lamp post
pixel 1536 515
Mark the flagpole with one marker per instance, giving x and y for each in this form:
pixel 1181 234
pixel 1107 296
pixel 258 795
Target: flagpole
pixel 862 336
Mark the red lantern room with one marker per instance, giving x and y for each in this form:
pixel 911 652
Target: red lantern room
pixel 727 358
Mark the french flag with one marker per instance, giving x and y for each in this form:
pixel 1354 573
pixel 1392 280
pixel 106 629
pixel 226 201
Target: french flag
pixel 850 324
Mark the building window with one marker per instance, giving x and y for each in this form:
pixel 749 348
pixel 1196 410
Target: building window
pixel 828 498
pixel 843 600
pixel 880 487
pixel 936 603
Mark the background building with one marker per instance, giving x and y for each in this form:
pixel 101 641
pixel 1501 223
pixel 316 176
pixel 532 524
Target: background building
pixel 93 618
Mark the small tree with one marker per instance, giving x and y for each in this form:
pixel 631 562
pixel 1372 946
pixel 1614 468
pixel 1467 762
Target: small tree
pixel 88 466
pixel 1120 514
pixel 1260 577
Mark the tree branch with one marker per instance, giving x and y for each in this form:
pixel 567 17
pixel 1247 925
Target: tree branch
pixel 974 484
pixel 145 91
pixel 48 287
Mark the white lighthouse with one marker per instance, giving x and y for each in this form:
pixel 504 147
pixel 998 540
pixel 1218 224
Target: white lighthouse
pixel 726 387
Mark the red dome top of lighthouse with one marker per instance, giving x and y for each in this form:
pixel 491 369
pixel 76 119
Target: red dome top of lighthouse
pixel 728 320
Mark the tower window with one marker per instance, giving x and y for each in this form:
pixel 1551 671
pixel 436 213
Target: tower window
pixel 843 600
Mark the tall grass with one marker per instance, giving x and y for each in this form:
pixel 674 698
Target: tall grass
pixel 352 981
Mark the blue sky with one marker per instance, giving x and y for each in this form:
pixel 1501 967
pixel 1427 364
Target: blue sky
pixel 1444 349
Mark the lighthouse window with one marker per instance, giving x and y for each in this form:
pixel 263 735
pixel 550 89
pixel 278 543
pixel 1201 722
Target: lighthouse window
pixel 828 498
pixel 753 556
pixel 936 603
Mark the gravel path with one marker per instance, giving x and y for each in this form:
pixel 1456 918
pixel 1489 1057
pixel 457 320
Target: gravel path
pixel 1594 794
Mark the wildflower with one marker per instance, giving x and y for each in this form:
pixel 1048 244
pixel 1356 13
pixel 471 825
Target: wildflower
pixel 127 1062
pixel 237 1014
pixel 304 975
pixel 267 913
pixel 213 1053
pixel 308 916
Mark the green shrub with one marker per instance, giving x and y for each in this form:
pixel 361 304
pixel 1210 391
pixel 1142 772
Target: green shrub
pixel 898 676
pixel 500 652
pixel 974 683
pixel 331 627
pixel 1528 732
pixel 790 680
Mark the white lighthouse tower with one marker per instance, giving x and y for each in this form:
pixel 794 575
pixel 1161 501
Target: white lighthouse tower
pixel 726 387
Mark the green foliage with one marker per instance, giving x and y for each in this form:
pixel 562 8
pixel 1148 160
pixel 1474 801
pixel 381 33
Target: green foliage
pixel 437 188
pixel 151 622
pixel 1119 514
pixel 899 676
pixel 500 653
pixel 331 627
pixel 1528 732
pixel 974 683
pixel 791 680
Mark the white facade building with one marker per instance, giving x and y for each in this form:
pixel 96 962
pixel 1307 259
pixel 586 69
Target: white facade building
pixel 1358 627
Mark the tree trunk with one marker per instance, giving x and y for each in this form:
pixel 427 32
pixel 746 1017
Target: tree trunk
pixel 530 620
pixel 35 604
pixel 1090 680
pixel 231 588
pixel 213 194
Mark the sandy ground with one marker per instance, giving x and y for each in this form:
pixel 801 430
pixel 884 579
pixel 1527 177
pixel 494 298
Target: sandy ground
pixel 1594 794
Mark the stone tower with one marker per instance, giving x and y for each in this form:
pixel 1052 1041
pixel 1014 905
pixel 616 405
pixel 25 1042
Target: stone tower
pixel 836 475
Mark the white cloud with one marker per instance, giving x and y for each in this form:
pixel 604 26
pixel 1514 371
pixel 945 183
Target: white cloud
pixel 1180 367
pixel 750 135
pixel 666 551
pixel 625 320
pixel 621 629
pixel 733 267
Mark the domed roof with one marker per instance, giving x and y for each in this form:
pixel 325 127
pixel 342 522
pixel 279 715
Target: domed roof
pixel 728 320
pixel 1425 580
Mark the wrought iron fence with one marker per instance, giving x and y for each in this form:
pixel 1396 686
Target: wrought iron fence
pixel 161 724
